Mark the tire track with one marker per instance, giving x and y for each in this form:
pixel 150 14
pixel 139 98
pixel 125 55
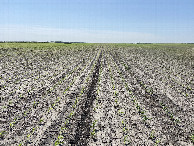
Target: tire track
pixel 82 134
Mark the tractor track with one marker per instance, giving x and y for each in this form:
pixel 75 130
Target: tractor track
pixel 83 123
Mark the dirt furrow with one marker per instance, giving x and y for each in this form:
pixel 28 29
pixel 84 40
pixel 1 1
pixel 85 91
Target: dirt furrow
pixel 152 103
pixel 82 134
pixel 51 137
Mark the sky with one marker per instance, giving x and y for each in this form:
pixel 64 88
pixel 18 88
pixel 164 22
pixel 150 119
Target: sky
pixel 97 21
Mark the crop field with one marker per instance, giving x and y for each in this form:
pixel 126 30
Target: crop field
pixel 96 94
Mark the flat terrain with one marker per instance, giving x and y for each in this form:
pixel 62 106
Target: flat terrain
pixel 96 94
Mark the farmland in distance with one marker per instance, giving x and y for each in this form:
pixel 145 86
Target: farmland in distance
pixel 96 94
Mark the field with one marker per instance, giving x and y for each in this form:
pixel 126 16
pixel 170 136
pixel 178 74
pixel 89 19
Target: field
pixel 96 94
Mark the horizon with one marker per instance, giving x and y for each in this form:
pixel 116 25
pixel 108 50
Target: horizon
pixel 64 42
pixel 110 21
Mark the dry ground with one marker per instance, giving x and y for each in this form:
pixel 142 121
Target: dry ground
pixel 96 94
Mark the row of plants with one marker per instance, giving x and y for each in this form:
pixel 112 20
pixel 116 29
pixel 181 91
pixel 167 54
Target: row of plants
pixel 158 64
pixel 30 91
pixel 35 103
pixel 117 106
pixel 139 108
pixel 21 74
pixel 63 130
pixel 93 128
pixel 15 92
pixel 26 114
pixel 53 106
pixel 149 90
pixel 161 101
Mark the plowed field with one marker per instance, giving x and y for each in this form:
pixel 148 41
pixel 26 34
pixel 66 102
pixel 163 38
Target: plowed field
pixel 96 94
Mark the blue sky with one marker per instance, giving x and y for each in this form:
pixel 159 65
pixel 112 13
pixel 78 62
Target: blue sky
pixel 119 21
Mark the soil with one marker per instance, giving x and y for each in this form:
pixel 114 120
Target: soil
pixel 99 94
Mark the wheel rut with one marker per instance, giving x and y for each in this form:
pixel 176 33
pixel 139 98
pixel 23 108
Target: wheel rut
pixel 82 134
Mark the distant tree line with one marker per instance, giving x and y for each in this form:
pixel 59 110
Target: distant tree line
pixel 39 42
pixel 71 42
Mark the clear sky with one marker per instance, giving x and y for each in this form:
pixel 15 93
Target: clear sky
pixel 119 21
